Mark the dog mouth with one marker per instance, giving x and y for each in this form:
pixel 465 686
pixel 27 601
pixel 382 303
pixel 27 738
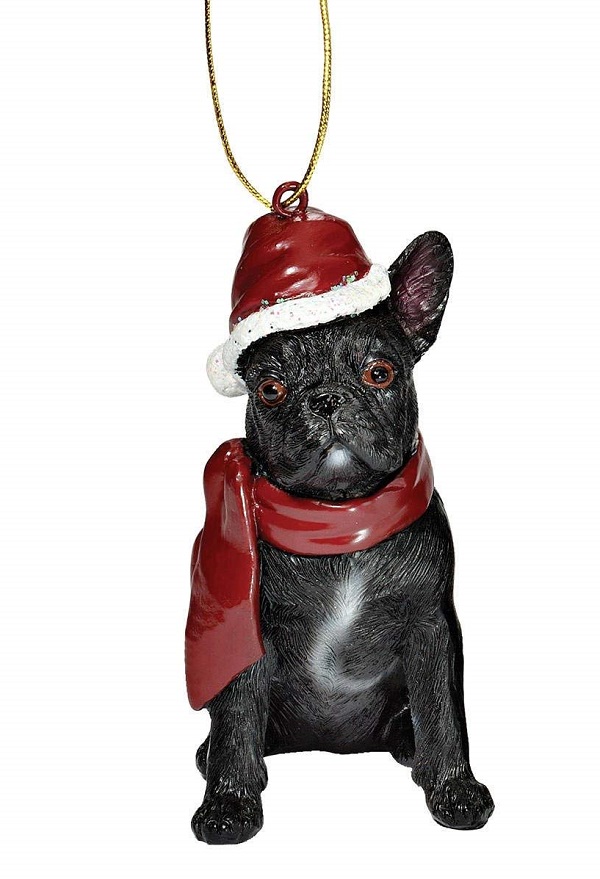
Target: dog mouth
pixel 335 456
pixel 338 471
pixel 343 444
pixel 344 457
pixel 333 472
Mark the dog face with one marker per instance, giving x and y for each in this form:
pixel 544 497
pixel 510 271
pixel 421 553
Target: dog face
pixel 332 410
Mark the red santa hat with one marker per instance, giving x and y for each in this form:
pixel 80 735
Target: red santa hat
pixel 299 268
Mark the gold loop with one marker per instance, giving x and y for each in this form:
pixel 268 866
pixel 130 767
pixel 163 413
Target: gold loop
pixel 325 104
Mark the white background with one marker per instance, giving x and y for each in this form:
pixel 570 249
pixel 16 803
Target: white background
pixel 121 226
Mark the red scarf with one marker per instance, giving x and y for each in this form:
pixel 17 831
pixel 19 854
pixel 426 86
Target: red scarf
pixel 223 634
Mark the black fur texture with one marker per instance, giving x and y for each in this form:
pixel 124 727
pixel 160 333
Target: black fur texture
pixel 363 651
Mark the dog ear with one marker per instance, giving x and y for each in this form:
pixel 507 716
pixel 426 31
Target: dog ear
pixel 420 280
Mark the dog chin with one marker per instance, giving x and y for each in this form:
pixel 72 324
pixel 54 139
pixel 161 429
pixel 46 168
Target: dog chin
pixel 339 474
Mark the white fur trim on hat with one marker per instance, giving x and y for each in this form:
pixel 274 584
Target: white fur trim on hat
pixel 344 300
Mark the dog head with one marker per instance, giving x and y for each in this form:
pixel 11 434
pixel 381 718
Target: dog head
pixel 332 410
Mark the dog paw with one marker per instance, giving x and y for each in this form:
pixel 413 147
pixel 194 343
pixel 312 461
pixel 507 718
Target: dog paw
pixel 227 819
pixel 460 803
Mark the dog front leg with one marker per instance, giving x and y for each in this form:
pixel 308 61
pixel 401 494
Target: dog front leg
pixel 236 773
pixel 441 764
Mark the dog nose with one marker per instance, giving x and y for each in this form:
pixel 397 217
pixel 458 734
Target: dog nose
pixel 324 404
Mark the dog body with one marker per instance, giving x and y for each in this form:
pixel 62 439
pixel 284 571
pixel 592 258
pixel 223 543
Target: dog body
pixel 363 649
pixel 338 681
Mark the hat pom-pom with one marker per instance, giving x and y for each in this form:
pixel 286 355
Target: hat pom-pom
pixel 223 380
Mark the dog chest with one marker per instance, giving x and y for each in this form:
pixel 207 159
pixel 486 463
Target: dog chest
pixel 334 621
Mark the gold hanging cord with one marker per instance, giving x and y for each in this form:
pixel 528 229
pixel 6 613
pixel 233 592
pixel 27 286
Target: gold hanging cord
pixel 325 103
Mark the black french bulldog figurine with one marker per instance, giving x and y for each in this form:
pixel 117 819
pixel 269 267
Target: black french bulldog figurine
pixel 359 647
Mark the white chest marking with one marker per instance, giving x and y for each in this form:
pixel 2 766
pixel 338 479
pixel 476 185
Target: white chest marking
pixel 323 660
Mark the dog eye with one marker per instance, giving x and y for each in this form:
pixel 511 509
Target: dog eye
pixel 271 392
pixel 378 374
